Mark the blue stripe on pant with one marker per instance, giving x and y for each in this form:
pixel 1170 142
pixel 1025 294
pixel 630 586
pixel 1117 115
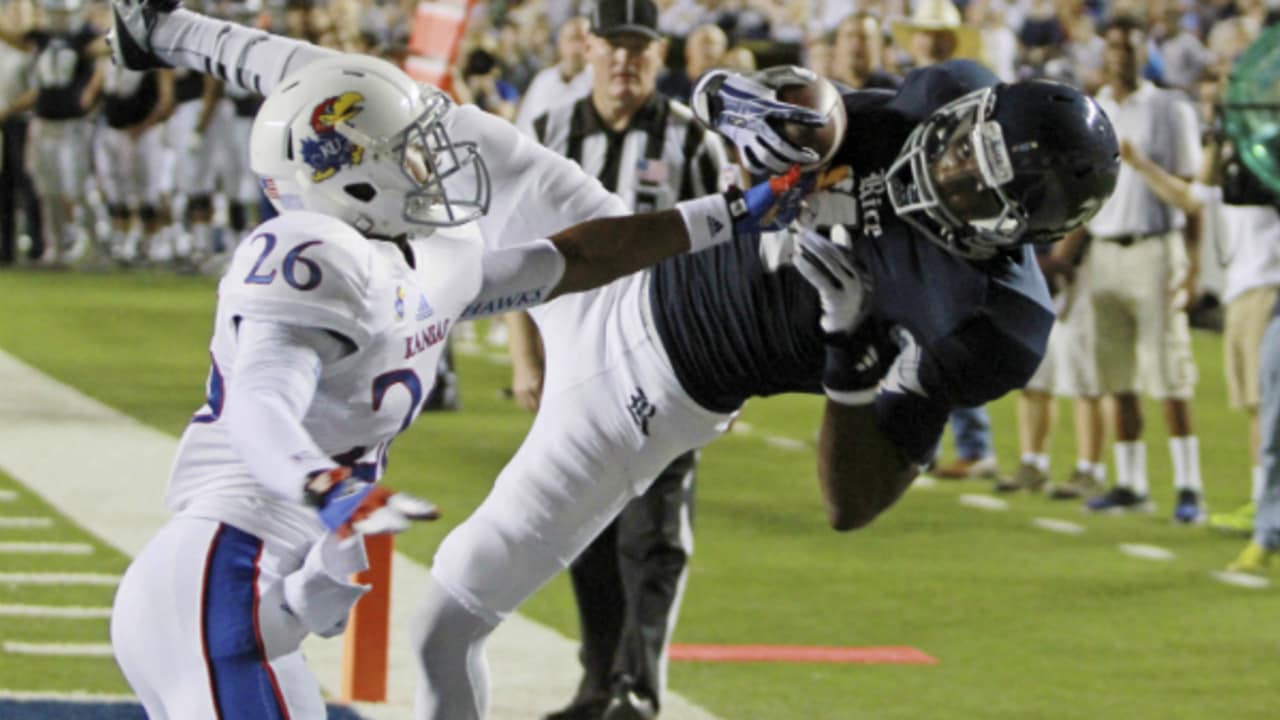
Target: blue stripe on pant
pixel 244 686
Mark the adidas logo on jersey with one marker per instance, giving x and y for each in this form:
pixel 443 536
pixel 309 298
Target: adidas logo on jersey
pixel 715 226
pixel 424 308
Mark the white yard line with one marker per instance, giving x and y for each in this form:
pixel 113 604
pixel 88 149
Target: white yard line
pixel 32 523
pixel 45 548
pixel 70 612
pixel 17 578
pixel 534 669
pixel 983 502
pixel 1054 525
pixel 75 696
pixel 14 647
pixel 1147 552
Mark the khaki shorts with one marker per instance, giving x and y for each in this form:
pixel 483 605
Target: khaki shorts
pixel 1069 368
pixel 1246 321
pixel 1143 341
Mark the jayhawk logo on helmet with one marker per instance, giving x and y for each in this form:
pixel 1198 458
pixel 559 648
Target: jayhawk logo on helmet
pixel 328 152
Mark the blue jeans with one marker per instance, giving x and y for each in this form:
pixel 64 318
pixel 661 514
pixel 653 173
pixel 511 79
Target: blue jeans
pixel 972 430
pixel 1266 525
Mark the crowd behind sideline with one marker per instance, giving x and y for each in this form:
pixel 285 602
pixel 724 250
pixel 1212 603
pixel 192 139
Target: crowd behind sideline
pixel 170 187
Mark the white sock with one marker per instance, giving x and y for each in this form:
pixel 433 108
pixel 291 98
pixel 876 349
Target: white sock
pixel 1131 466
pixel 1039 461
pixel 252 58
pixel 1083 466
pixel 1186 463
pixel 1259 484
pixel 1099 472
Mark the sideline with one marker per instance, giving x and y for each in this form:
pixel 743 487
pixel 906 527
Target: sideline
pixel 106 471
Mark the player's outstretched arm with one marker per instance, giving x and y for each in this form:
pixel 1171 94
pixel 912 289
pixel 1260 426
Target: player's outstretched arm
pixel 861 471
pixel 862 467
pixel 158 33
pixel 597 252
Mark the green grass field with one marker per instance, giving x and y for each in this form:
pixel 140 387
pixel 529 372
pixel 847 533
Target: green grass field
pixel 1024 623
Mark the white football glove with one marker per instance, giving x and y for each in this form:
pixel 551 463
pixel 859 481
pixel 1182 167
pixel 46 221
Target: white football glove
pixel 746 109
pixel 320 594
pixel 844 288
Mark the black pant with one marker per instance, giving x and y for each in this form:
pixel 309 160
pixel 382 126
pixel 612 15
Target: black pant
pixel 17 193
pixel 626 583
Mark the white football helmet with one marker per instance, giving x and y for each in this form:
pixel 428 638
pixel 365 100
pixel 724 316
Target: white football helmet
pixel 355 138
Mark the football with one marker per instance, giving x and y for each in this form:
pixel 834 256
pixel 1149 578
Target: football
pixel 822 96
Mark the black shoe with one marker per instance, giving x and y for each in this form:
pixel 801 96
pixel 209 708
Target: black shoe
pixel 588 709
pixel 630 705
pixel 130 37
pixel 1120 499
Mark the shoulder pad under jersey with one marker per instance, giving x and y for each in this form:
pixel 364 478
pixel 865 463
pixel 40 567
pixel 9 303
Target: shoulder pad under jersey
pixel 306 269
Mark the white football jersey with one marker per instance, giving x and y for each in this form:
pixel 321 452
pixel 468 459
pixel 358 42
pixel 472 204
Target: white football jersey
pixel 312 270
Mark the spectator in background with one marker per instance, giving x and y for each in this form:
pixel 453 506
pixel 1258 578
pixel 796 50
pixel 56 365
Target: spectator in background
pixel 786 18
pixel 999 43
pixel 816 54
pixel 856 54
pixel 1185 56
pixel 1142 270
pixel 482 84
pixel 517 63
pixel 1041 37
pixel 1257 555
pixel 739 59
pixel 678 18
pixel 566 81
pixel 703 49
pixel 1082 55
pixel 934 33
pixel 1240 214
pixel 1068 370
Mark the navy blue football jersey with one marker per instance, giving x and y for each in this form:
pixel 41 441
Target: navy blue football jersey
pixel 61 71
pixel 738 320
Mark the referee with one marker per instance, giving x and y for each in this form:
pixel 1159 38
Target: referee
pixel 651 152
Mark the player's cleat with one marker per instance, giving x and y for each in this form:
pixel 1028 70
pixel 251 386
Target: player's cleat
pixel 1029 477
pixel 1253 559
pixel 1235 522
pixel 965 468
pixel 1081 484
pixel 130 37
pixel 1188 510
pixel 1120 499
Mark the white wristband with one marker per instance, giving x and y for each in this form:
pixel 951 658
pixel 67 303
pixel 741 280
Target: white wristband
pixel 707 221
pixel 852 397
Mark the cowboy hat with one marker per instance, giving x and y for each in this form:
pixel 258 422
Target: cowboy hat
pixel 939 15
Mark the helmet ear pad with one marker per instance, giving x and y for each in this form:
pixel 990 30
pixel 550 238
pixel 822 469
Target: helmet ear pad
pixel 1064 153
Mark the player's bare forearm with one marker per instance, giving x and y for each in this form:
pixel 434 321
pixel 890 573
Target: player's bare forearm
pixel 860 470
pixel 597 252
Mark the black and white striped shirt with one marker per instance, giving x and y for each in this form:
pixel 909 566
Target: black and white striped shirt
pixel 662 157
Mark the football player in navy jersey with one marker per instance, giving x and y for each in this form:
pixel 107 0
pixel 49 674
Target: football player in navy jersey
pixel 65 84
pixel 911 289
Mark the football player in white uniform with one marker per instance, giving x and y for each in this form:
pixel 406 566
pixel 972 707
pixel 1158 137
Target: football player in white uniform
pixel 329 327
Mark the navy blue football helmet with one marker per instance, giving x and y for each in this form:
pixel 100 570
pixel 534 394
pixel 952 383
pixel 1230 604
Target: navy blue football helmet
pixel 1006 165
